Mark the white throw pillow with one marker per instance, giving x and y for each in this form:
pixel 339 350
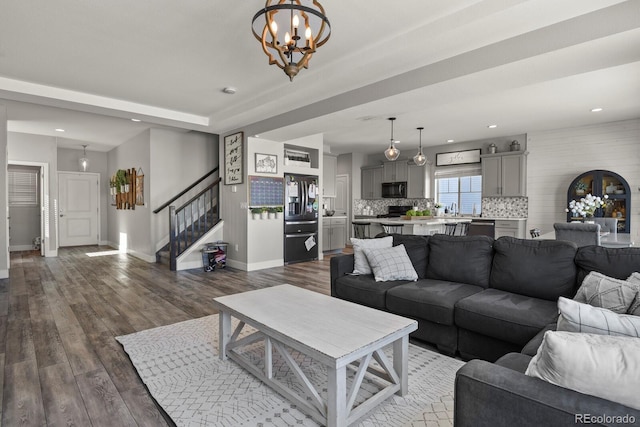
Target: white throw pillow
pixel 635 305
pixel 599 365
pixel 360 263
pixel 603 291
pixel 391 264
pixel 578 317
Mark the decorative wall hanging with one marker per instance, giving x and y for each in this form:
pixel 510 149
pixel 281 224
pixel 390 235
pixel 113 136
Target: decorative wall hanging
pixel 123 188
pixel 266 163
pixel 458 157
pixel 139 187
pixel 233 159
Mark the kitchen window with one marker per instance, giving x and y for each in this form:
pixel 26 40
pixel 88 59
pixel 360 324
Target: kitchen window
pixel 462 187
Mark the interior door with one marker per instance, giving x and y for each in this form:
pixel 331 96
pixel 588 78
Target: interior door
pixel 342 194
pixel 79 208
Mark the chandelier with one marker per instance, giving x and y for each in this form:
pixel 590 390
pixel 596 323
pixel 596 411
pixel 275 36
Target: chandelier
pixel 84 160
pixel 420 159
pixel 392 152
pixel 288 51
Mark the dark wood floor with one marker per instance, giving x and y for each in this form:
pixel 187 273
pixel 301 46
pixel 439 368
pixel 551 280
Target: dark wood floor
pixel 58 318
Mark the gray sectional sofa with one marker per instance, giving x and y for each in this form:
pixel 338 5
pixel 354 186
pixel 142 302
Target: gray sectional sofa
pixel 492 300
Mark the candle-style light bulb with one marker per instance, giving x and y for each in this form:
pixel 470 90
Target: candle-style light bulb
pixel 296 21
pixel 274 27
pixel 307 33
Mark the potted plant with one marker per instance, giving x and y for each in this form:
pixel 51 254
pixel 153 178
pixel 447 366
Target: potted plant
pixel 264 213
pixel 272 212
pixel 121 181
pixel 438 207
pixel 279 212
pixel 255 212
pixel 581 187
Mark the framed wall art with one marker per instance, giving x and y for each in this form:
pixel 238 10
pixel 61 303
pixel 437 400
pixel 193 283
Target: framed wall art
pixel 266 163
pixel 233 158
pixel 458 157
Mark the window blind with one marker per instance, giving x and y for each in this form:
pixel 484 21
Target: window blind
pixel 23 188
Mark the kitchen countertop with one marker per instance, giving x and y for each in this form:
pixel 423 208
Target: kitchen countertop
pixel 334 216
pixel 435 220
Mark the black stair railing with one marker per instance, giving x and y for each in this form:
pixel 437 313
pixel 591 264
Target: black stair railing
pixel 192 220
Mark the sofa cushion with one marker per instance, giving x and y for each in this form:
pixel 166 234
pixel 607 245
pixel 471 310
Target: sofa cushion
pixel 598 365
pixel 417 248
pixel 578 317
pixel 635 305
pixel 390 264
pixel 429 299
pixel 536 268
pixel 363 289
pixel 619 263
pixel 504 315
pixel 462 259
pixel 360 263
pixel 603 291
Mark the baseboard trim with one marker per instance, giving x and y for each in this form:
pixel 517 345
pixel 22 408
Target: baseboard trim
pixel 238 265
pixel 4 274
pixel 265 264
pixel 140 255
pixel 17 248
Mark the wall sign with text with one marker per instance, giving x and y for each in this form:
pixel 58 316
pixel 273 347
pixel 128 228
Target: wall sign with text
pixel 458 157
pixel 233 159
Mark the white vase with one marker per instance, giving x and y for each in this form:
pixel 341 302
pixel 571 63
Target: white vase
pixel 272 215
pixel 279 215
pixel 264 215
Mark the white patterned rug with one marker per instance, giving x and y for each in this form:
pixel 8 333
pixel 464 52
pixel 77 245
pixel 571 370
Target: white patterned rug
pixel 179 364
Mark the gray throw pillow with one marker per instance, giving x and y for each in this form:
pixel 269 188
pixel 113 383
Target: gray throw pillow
pixel 360 263
pixel 578 317
pixel 391 264
pixel 635 305
pixel 603 291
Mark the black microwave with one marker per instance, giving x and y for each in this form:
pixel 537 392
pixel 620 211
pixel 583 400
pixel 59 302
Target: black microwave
pixel 394 190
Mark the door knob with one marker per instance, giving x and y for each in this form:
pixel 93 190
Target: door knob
pixel 61 215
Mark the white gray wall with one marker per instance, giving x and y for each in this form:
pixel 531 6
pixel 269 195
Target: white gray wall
pixel 4 232
pixel 68 161
pixel 556 157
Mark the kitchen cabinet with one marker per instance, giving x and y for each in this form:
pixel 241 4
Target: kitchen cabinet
pixel 504 174
pixel 510 227
pixel 371 182
pixel 395 171
pixel 416 182
pixel 334 233
pixel 601 183
pixel 329 172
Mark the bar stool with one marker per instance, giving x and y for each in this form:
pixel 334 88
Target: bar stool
pixel 535 232
pixel 463 227
pixel 392 228
pixel 360 229
pixel 450 229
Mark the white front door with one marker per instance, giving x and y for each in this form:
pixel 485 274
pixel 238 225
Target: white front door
pixel 79 208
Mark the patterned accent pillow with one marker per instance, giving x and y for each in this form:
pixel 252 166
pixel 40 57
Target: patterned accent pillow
pixel 603 291
pixel 360 263
pixel 598 365
pixel 391 264
pixel 578 317
pixel 635 305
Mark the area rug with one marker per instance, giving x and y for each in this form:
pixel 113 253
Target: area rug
pixel 179 364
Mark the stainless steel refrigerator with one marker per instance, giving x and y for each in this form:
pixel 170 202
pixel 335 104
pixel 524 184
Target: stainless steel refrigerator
pixel 301 200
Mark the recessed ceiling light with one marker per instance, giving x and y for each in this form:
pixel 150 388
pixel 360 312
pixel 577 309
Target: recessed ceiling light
pixel 59 130
pixel 451 140
pixel 492 126
pixel 136 120
pixel 597 109
pixel 229 90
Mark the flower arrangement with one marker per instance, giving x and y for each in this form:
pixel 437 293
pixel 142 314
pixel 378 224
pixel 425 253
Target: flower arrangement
pixel 587 205
pixel 581 186
pixel 437 205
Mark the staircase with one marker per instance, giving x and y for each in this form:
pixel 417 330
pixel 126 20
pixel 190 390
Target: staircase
pixel 189 223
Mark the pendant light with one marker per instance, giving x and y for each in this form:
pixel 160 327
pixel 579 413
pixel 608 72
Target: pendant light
pixel 420 159
pixel 84 160
pixel 392 152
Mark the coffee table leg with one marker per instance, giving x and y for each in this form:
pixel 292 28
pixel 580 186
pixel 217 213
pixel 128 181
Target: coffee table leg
pixel 401 363
pixel 224 333
pixel 336 397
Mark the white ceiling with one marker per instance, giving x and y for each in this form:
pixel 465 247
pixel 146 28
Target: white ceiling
pixel 452 66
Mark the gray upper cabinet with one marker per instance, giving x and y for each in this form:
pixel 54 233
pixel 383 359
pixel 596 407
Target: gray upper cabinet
pixel 396 171
pixel 329 172
pixel 504 174
pixel 416 182
pixel 371 182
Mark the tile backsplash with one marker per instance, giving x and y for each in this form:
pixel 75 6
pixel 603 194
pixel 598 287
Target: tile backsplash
pixel 493 207
pixel 381 206
pixel 505 207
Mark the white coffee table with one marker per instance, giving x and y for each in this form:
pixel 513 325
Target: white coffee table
pixel 336 333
